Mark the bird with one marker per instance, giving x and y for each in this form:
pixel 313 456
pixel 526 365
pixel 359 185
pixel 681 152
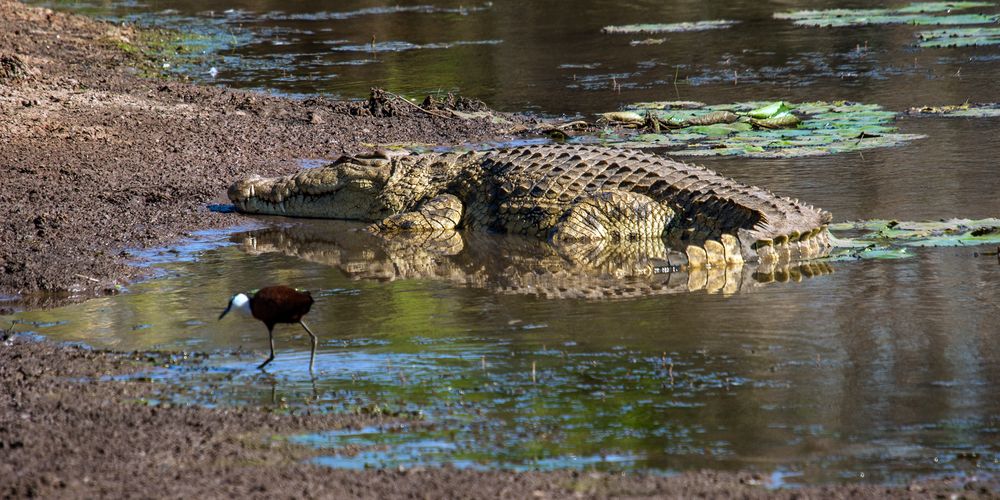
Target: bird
pixel 272 305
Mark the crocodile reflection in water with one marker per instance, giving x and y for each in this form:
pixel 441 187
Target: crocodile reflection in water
pixel 515 265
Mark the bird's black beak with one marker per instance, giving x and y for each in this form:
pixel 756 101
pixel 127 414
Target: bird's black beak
pixel 230 306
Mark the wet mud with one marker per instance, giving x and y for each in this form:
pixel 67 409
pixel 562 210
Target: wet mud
pixel 70 430
pixel 97 160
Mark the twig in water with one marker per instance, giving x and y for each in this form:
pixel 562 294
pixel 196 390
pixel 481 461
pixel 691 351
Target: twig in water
pixel 677 90
pixel 533 379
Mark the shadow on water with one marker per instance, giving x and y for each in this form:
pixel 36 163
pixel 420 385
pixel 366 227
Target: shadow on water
pixel 495 346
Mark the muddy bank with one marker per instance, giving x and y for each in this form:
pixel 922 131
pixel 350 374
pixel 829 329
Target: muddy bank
pixel 97 159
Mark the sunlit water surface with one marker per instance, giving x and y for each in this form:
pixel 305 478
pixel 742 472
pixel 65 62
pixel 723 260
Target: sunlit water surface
pixel 878 371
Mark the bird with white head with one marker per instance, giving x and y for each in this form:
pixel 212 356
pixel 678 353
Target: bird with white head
pixel 272 305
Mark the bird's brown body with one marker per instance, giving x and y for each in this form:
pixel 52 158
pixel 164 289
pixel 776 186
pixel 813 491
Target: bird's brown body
pixel 280 304
pixel 276 304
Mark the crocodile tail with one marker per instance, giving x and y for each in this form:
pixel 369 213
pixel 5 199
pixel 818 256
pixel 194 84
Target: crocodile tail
pixel 768 227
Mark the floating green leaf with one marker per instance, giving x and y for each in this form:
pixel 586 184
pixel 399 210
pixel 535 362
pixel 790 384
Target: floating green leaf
pixel 925 7
pixel 769 111
pixel 868 253
pixel 920 13
pixel 886 239
pixel 967 110
pixel 822 128
pixel 648 41
pixel 720 129
pixel 669 28
pixel 946 233
pixel 959 37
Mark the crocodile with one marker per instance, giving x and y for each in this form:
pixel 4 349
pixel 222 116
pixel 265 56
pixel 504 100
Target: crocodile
pixel 563 193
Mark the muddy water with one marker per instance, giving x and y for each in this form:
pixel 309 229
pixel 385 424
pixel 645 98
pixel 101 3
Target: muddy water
pixel 876 371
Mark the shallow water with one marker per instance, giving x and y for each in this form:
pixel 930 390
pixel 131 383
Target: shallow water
pixel 881 368
pixel 876 371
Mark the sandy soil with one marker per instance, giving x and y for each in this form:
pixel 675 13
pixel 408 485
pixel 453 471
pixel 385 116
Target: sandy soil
pixel 95 160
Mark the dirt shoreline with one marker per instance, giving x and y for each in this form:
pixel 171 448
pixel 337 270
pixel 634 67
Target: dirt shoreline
pixel 95 160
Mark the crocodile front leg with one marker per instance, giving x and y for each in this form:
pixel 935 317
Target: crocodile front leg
pixel 443 212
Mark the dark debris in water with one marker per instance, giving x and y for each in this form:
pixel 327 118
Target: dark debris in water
pixel 965 110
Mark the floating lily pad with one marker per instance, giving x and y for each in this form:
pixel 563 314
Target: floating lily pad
pixel 669 28
pixel 925 7
pixel 967 110
pixel 886 239
pixel 648 41
pixel 921 13
pixel 785 130
pixel 868 253
pixel 959 37
pixel 948 233
pixel 769 111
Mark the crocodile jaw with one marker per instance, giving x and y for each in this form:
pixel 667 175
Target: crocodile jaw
pixel 337 191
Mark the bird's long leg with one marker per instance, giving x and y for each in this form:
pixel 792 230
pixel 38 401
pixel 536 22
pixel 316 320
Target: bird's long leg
pixel 315 342
pixel 270 339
